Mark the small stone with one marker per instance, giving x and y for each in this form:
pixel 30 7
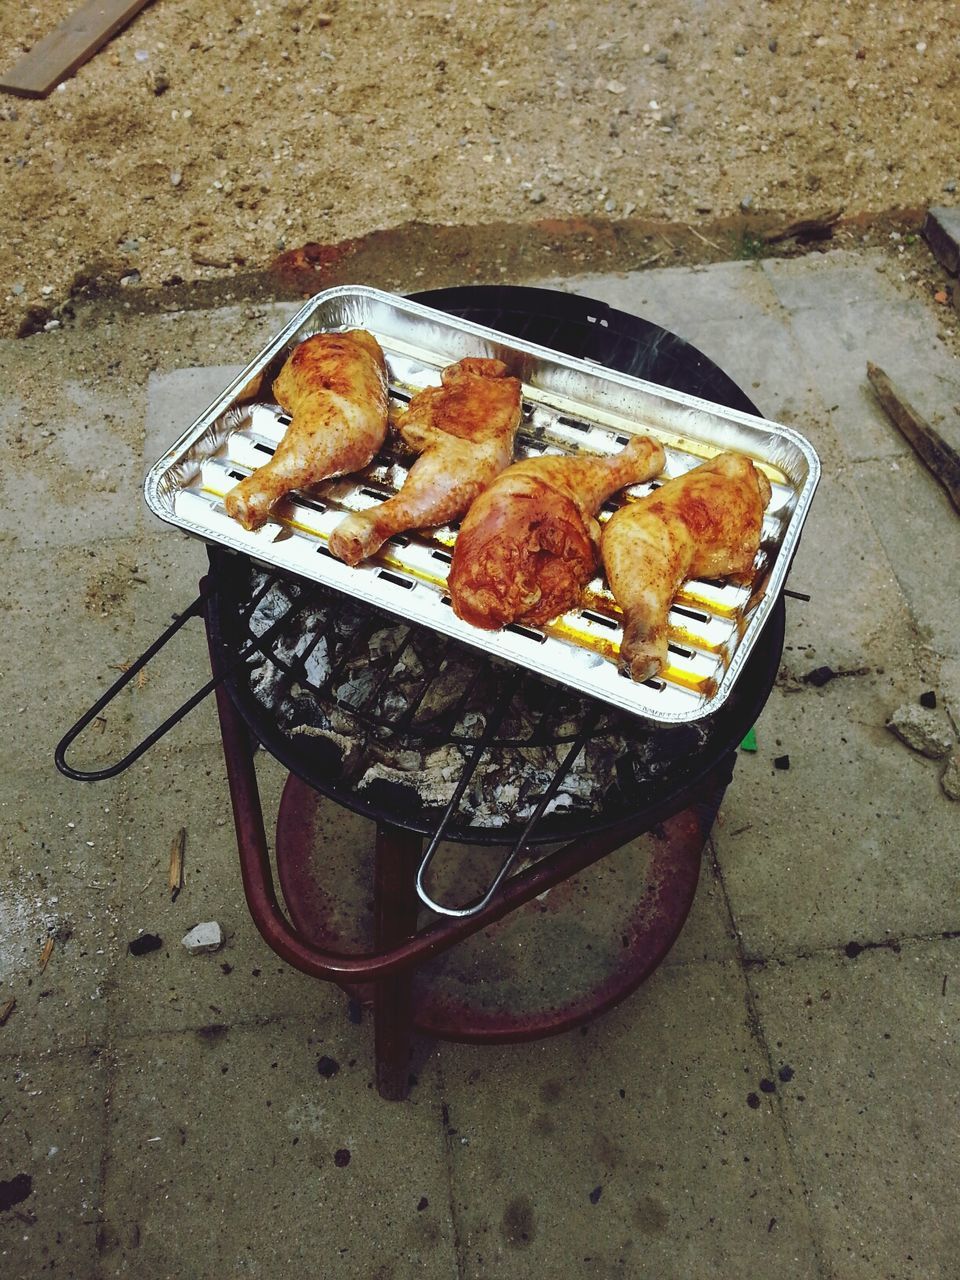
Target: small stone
pixel 767 1086
pixel 130 246
pixel 740 51
pixel 616 86
pixel 132 277
pixel 144 944
pixel 746 204
pixel 950 778
pixel 17 289
pixel 51 325
pixel 203 938
pixel 176 177
pixel 327 1067
pixel 46 290
pixel 595 1195
pixel 921 730
pixel 341 1158
pixel 662 56
pixel 536 196
pixel 773 44
pixel 161 81
pixel 950 185
pixel 753 1101
pixel 782 762
pixel 928 699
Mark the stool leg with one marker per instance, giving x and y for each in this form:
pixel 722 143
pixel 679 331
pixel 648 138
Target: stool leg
pixel 398 854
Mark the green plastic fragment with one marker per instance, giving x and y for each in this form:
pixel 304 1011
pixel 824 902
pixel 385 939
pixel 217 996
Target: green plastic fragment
pixel 749 742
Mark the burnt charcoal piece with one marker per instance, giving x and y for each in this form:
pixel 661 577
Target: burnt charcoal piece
pixel 15 1191
pixel 782 762
pixel 819 676
pixel 328 1067
pixel 144 944
pixel 928 700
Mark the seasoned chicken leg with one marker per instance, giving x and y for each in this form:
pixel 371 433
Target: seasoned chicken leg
pixel 335 387
pixel 705 524
pixel 463 431
pixel 529 544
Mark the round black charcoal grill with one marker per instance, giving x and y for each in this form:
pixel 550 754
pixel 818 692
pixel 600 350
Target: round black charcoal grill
pixel 361 705
pixel 460 698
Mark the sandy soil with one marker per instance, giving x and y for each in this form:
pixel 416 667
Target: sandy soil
pixel 204 140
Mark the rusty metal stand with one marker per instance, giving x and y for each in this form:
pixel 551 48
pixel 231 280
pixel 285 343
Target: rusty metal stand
pixel 395 921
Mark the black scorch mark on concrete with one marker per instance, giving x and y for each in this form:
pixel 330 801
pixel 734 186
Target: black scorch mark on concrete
pixel 15 1191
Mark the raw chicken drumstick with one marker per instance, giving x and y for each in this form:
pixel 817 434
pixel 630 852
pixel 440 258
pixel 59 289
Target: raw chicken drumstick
pixel 463 431
pixel 529 544
pixel 705 524
pixel 335 387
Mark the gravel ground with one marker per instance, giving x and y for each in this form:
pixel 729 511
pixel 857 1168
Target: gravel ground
pixel 202 142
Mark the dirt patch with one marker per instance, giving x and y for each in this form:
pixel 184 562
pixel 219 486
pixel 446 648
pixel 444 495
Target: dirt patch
pixel 199 146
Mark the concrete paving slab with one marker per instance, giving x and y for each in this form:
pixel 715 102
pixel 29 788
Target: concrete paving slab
pixel 60 880
pixel 846 309
pixel 920 534
pixel 631 1150
pixel 680 297
pixel 169 989
pixel 231 1154
pixel 75 439
pixel 870 1108
pixel 52 1107
pixel 63 637
pixel 849 843
pixel 856 616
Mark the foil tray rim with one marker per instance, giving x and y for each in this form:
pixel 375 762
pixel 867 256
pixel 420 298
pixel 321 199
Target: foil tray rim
pixel 241 541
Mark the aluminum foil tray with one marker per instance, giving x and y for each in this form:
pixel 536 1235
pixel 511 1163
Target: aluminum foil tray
pixel 569 406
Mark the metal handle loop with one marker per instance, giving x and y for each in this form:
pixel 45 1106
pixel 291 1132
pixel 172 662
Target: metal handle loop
pixel 110 771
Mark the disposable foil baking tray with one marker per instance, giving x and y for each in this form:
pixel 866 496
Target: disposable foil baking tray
pixel 569 406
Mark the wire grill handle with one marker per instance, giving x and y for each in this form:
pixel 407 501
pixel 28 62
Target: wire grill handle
pixel 561 772
pixel 110 771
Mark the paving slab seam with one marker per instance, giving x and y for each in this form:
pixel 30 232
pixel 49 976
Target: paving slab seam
pixel 459 1251
pixel 851 949
pixel 755 1025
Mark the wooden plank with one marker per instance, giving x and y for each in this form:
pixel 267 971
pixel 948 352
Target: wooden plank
pixel 59 54
pixel 940 459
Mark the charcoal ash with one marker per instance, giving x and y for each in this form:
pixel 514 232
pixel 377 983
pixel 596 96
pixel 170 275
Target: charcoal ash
pixel 403 707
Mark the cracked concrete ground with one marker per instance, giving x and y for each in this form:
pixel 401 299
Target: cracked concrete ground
pixel 779 1098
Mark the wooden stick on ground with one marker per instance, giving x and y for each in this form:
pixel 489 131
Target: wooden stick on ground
pixel 76 40
pixel 939 458
pixel 5 1012
pixel 175 879
pixel 46 953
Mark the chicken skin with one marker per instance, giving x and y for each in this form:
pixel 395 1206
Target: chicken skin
pixel 705 524
pixel 464 431
pixel 529 544
pixel 335 387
